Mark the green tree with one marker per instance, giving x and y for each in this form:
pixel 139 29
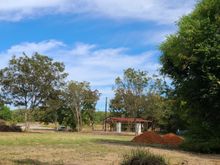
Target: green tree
pixel 31 81
pixel 138 95
pixel 99 117
pixel 18 115
pixel 191 58
pixel 67 118
pixel 175 117
pixel 129 91
pixel 81 100
pixel 49 112
pixel 89 106
pixel 5 113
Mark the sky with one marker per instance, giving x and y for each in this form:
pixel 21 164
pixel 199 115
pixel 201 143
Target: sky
pixel 95 39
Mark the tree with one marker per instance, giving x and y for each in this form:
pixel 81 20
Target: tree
pixel 129 92
pixel 80 99
pixel 18 115
pixel 49 112
pixel 99 117
pixel 67 118
pixel 5 113
pixel 174 118
pixel 138 95
pixel 191 58
pixel 31 81
pixel 89 106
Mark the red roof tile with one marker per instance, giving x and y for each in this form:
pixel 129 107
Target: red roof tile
pixel 126 120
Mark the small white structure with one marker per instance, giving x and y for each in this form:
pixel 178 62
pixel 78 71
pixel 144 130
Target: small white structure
pixel 138 123
pixel 138 128
pixel 118 127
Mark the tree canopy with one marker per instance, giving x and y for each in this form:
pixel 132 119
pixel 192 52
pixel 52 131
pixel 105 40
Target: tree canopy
pixel 30 81
pixel 81 101
pixel 138 95
pixel 191 58
pixel 5 113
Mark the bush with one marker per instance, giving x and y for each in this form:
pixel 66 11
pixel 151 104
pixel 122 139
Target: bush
pixel 5 113
pixel 18 115
pixel 9 128
pixel 202 146
pixel 143 157
pixel 12 128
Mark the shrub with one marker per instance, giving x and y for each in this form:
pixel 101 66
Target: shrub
pixel 143 157
pixel 5 113
pixel 202 146
pixel 9 128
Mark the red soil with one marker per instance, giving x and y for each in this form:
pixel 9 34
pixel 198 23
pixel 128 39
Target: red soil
pixel 172 139
pixel 149 138
pixel 154 138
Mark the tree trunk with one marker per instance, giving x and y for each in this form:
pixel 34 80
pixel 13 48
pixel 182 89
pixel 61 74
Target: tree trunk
pixel 27 124
pixel 77 120
pixel 92 125
pixel 80 120
pixel 56 123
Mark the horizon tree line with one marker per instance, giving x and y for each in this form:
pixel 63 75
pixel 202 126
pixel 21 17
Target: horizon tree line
pixel 38 85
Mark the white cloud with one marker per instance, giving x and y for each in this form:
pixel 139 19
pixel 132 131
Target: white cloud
pixel 30 48
pixel 160 11
pixel 87 62
pixel 156 37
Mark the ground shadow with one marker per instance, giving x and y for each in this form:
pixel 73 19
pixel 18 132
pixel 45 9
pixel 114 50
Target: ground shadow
pixel 132 144
pixel 32 162
pixel 29 162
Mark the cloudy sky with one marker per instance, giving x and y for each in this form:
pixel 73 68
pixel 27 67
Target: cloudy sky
pixel 96 39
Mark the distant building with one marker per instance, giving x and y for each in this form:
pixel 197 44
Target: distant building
pixel 120 124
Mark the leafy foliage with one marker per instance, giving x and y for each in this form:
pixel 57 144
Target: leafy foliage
pixel 5 113
pixel 139 95
pixel 18 115
pixel 81 101
pixel 99 117
pixel 191 57
pixel 202 146
pixel 31 81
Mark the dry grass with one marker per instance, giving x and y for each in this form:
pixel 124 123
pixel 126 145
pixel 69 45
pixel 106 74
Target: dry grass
pixel 81 148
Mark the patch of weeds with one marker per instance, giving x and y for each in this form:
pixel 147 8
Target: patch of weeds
pixel 142 157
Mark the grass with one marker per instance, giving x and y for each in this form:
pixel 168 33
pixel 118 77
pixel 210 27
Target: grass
pixel 56 147
pixel 79 148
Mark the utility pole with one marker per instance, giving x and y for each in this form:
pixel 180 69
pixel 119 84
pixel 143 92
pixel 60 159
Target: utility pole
pixel 106 106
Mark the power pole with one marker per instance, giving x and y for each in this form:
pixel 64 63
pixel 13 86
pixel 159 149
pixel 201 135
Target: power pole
pixel 106 106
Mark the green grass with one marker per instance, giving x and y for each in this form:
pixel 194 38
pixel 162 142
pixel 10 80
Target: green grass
pixel 61 140
pixel 56 147
pixel 53 138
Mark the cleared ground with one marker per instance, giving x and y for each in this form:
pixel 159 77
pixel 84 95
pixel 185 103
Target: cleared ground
pixel 82 148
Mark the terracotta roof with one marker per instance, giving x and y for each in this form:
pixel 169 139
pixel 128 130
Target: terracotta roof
pixel 126 120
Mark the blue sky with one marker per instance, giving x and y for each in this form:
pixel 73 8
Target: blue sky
pixel 96 39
